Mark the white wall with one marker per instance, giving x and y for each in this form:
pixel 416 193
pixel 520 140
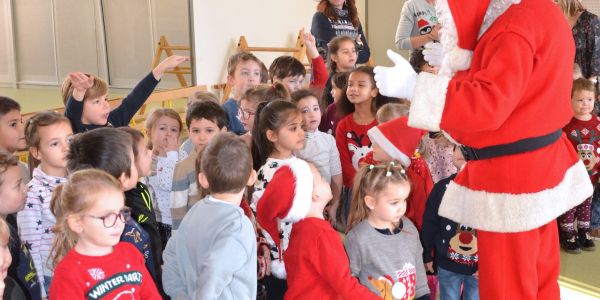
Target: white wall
pixel 218 26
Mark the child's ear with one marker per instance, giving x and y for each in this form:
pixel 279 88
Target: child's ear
pixel 230 79
pixel 252 178
pixel 35 152
pixel 202 180
pixel 374 92
pixel 124 178
pixel 75 223
pixel 370 202
pixel 224 129
pixel 271 136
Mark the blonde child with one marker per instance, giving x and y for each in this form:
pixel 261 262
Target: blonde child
pixel 315 263
pixel 13 193
pixel 12 137
pixel 356 108
pixel 330 119
pixel 390 111
pixel 187 146
pixel 213 255
pixel 163 128
pixel 86 103
pixel 111 150
pixel 48 135
pixel 341 57
pixel 319 148
pixel 204 120
pixel 250 101
pixel 277 133
pixel 89 260
pixel 383 247
pixel 243 72
pixel 583 132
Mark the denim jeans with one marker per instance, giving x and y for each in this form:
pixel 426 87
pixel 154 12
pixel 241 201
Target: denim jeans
pixel 450 285
pixel 47 280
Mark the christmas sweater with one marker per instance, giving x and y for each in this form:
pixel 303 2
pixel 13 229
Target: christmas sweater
pixel 22 267
pixel 264 175
pixel 118 117
pixel 36 220
pixel 316 265
pixel 353 143
pixel 453 246
pixel 329 119
pixel 118 275
pixel 585 137
pixel 390 265
pixel 325 29
pixel 417 18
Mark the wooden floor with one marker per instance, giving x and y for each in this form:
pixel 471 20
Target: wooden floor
pixel 579 272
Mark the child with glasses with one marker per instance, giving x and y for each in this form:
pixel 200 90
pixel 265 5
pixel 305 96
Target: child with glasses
pixel 89 259
pixel 111 150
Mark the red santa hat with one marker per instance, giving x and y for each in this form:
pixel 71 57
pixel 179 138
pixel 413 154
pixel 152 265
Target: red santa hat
pixel 465 27
pixel 287 198
pixel 397 139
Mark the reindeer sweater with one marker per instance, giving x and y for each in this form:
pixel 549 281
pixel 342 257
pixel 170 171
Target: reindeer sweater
pixel 353 143
pixel 582 133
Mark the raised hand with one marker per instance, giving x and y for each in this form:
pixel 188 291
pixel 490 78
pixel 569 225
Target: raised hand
pixel 80 83
pixel 311 44
pixel 397 81
pixel 168 64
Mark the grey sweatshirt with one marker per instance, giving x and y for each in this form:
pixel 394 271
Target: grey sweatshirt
pixel 417 18
pixel 388 263
pixel 212 255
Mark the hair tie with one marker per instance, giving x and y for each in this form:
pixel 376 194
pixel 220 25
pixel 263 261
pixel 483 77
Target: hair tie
pixel 388 173
pixel 371 167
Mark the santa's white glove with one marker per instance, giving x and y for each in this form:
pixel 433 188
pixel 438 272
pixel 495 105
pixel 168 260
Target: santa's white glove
pixel 433 54
pixel 397 81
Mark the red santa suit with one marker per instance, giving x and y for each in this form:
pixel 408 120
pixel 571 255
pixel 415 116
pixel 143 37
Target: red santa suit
pixel 506 76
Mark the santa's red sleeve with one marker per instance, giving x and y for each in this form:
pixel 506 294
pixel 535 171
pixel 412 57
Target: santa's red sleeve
pixel 319 73
pixel 421 181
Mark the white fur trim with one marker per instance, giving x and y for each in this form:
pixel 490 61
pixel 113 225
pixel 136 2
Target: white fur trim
pixel 302 190
pixel 428 103
pixel 502 212
pixel 376 136
pixel 278 269
pixel 460 59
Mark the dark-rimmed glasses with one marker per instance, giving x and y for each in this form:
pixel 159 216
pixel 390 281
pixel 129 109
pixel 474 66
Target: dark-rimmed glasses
pixel 109 220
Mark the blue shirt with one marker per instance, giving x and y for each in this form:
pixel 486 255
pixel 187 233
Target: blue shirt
pixel 231 108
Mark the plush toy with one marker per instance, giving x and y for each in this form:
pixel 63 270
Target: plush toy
pixel 502 93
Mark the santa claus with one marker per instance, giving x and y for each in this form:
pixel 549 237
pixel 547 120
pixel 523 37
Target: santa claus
pixel 503 93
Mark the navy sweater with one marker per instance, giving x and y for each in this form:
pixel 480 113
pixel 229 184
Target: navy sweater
pixel 118 117
pixel 325 29
pixel 453 246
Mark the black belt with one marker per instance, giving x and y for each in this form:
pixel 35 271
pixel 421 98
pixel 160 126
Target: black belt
pixel 520 146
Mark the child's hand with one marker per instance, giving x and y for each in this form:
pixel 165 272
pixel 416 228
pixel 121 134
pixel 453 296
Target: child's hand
pixel 80 83
pixel 266 253
pixel 429 267
pixel 476 274
pixel 171 143
pixel 168 64
pixel 311 45
pixel 332 213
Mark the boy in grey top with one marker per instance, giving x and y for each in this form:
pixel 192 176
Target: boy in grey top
pixel 388 262
pixel 213 254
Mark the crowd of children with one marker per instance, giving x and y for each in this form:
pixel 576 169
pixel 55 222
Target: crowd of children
pixel 256 202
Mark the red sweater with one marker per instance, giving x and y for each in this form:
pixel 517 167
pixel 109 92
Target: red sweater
pixel 317 266
pixel 353 143
pixel 586 132
pixel 121 273
pixel 319 73
pixel 421 181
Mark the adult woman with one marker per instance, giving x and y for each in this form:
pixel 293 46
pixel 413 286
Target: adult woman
pixel 418 25
pixel 335 18
pixel 586 32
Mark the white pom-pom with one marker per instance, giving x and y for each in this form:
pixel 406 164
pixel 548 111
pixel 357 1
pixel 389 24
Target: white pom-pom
pixel 460 59
pixel 398 290
pixel 278 269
